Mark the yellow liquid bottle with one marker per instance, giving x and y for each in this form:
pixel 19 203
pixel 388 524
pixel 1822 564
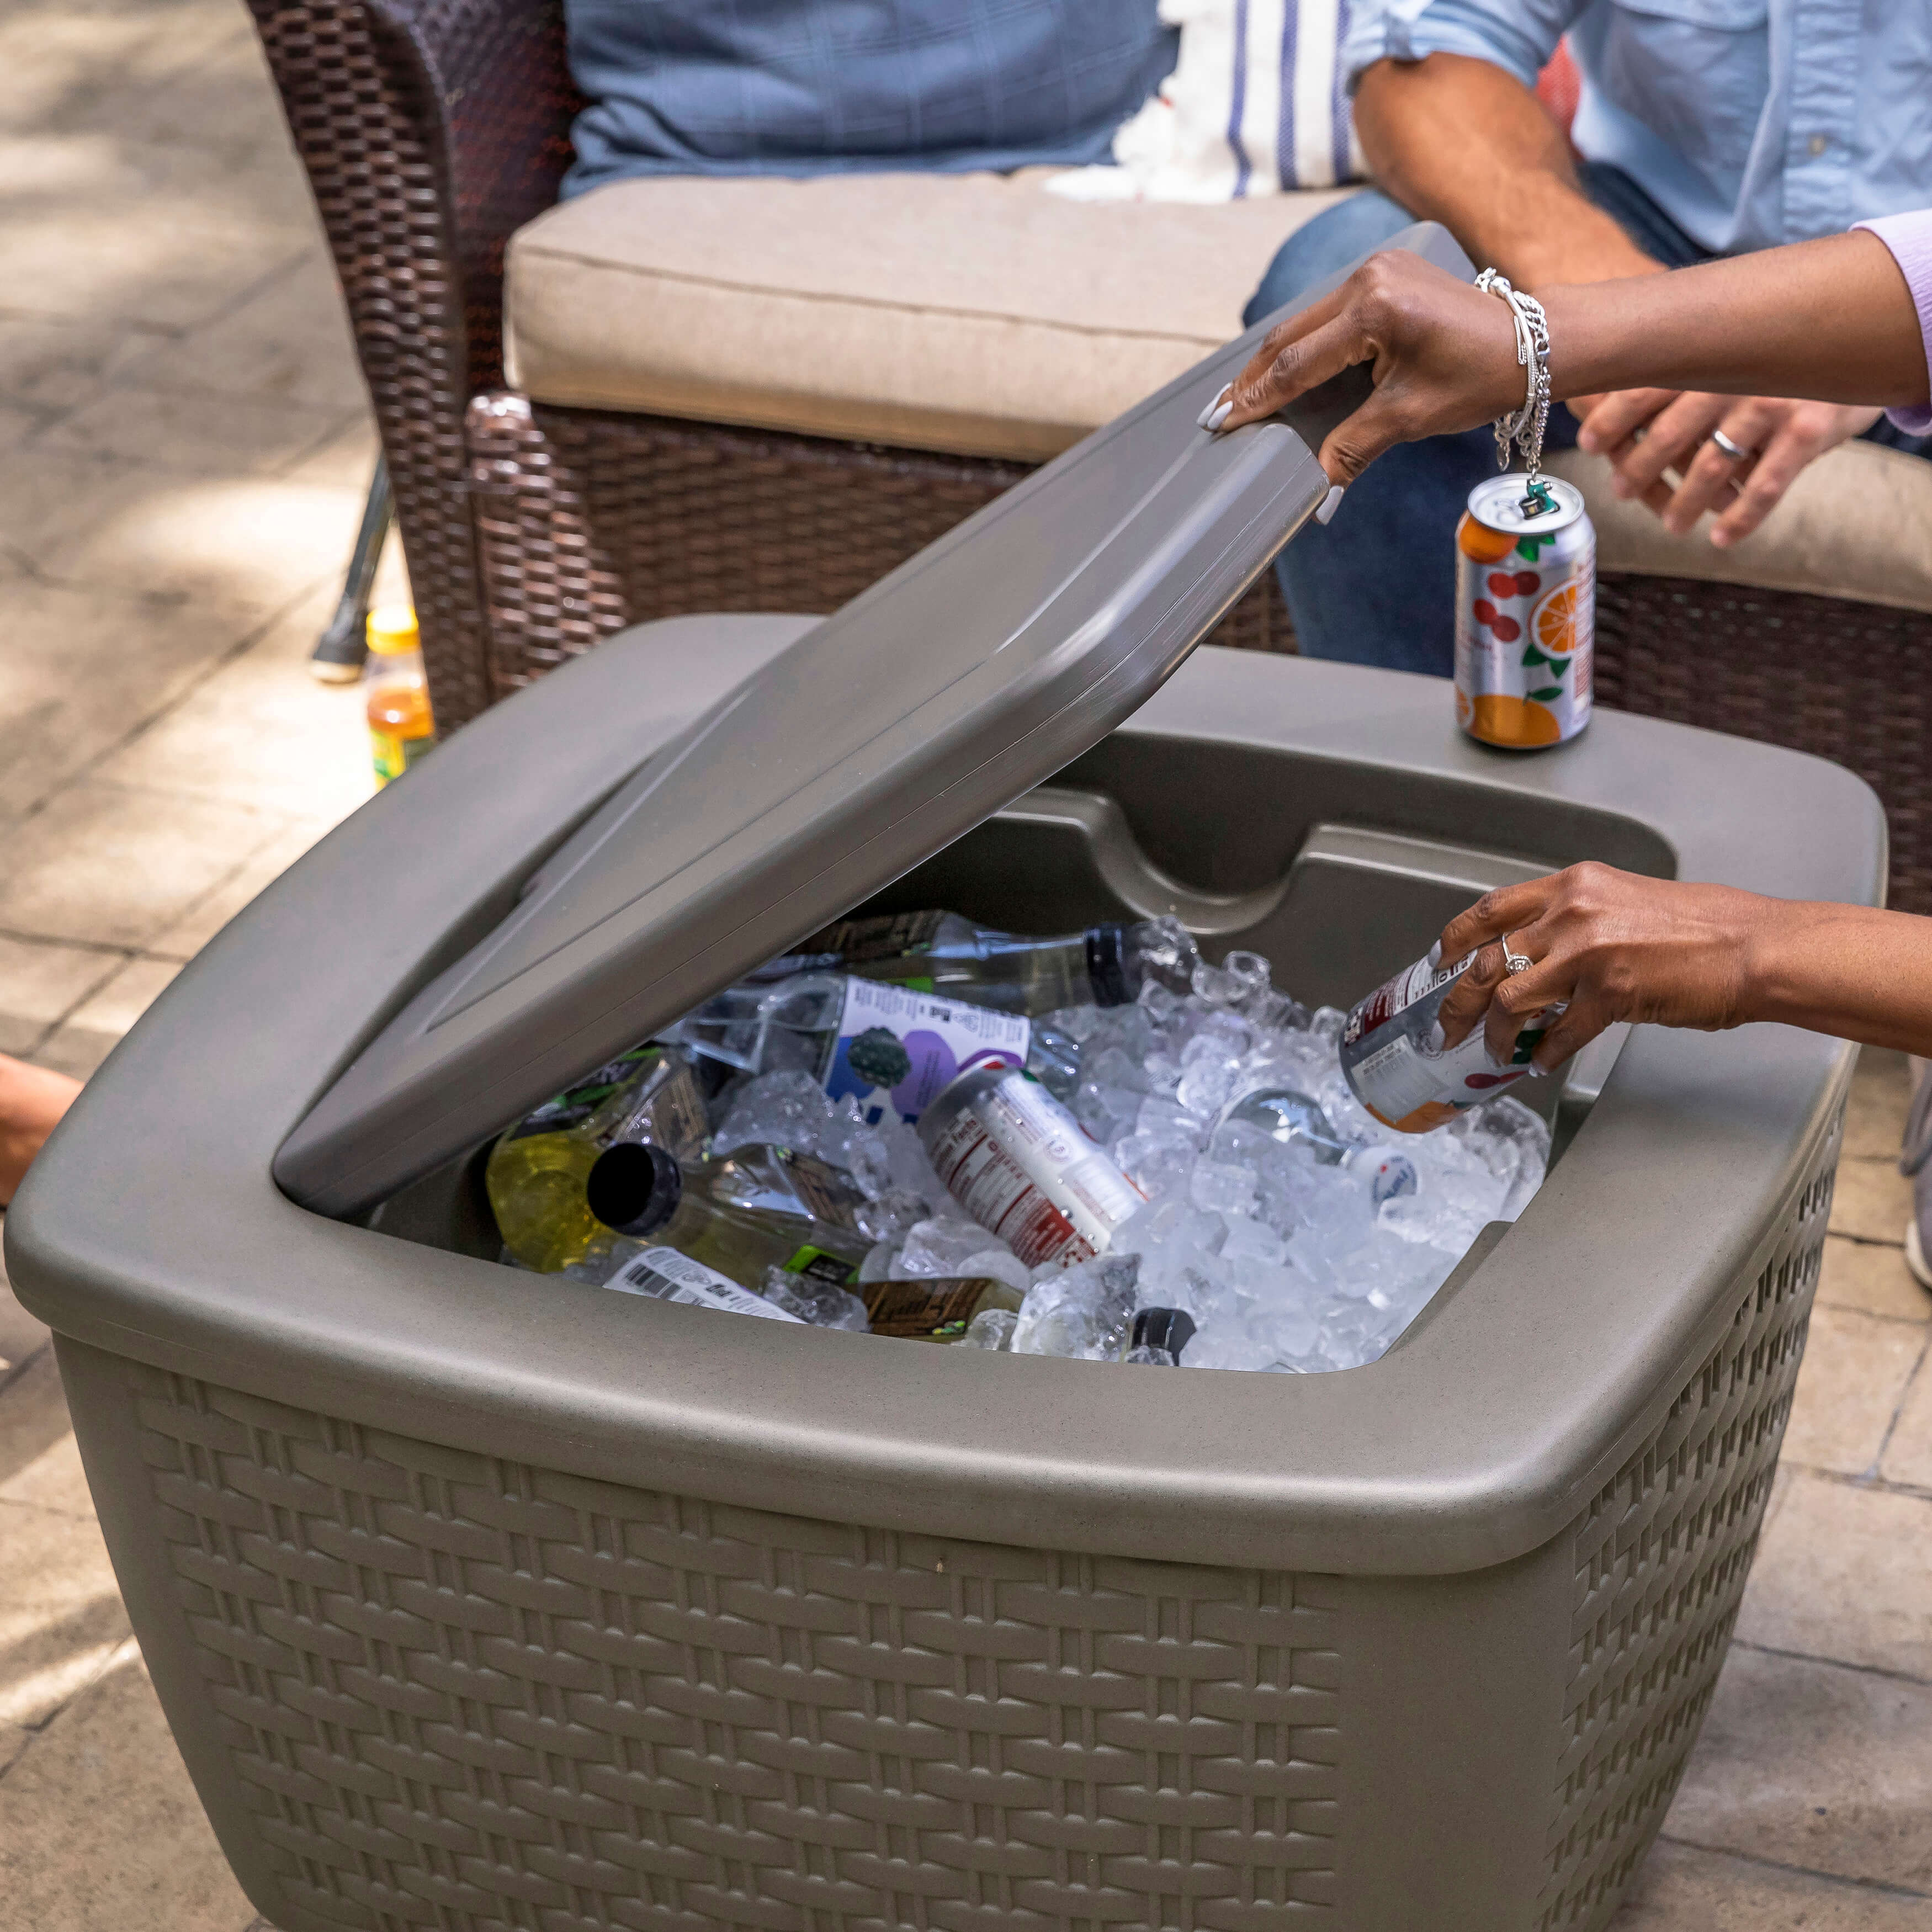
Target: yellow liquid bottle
pixel 396 692
pixel 539 1171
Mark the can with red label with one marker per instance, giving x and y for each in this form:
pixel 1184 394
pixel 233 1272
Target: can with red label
pixel 1020 1164
pixel 1394 1064
pixel 1525 613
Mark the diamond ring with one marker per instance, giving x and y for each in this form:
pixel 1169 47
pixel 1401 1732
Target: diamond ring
pixel 1515 962
pixel 1726 447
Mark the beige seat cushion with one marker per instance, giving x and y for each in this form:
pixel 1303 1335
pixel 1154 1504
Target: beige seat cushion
pixel 1856 523
pixel 975 314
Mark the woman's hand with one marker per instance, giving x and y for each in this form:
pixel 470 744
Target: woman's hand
pixel 1443 357
pixel 1615 946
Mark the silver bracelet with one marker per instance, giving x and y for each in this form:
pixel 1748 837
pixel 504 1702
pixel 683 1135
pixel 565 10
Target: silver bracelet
pixel 1523 428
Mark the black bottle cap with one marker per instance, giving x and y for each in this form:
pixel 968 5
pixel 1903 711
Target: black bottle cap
pixel 1107 965
pixel 1169 1328
pixel 634 1188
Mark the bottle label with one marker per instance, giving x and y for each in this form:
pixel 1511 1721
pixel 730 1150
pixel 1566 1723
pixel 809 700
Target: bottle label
pixel 575 1105
pixel 898 1047
pixel 825 1192
pixel 891 937
pixel 816 1264
pixel 393 755
pixel 667 1275
pixel 935 1310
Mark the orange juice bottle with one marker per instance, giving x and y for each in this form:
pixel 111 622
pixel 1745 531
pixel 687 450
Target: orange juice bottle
pixel 396 693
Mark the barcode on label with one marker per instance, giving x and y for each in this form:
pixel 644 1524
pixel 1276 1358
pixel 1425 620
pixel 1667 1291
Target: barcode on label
pixel 668 1276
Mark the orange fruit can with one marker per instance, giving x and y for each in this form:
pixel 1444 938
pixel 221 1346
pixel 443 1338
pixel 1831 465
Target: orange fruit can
pixel 1525 613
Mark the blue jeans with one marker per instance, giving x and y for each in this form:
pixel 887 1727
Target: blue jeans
pixel 1377 585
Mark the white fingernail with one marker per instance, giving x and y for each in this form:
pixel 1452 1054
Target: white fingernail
pixel 1435 956
pixel 1219 414
pixel 1330 504
pixel 1434 1043
pixel 1219 396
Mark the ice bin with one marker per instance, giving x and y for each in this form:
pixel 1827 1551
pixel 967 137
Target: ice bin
pixel 475 1600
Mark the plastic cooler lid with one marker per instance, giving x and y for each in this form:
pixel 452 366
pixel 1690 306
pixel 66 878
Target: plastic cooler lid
pixel 975 671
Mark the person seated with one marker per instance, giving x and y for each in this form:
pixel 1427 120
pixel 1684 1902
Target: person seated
pixel 1846 321
pixel 1702 131
pixel 32 1099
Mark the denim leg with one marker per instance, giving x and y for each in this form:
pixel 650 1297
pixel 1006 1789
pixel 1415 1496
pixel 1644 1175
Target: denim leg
pixel 1337 237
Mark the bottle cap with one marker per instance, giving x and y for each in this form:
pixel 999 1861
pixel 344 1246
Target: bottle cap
pixel 634 1188
pixel 392 630
pixel 1169 1328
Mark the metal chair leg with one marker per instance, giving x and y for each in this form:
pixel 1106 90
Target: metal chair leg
pixel 339 650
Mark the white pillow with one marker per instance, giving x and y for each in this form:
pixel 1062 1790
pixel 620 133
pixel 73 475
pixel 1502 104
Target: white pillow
pixel 1261 111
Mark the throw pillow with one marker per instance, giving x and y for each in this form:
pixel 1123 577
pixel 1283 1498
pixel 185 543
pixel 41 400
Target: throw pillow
pixel 808 87
pixel 1256 105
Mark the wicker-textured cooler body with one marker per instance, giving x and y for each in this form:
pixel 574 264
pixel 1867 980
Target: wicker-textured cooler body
pixel 477 1601
pixel 425 1684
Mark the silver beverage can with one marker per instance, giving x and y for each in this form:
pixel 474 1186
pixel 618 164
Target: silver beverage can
pixel 1525 613
pixel 1407 1084
pixel 1020 1164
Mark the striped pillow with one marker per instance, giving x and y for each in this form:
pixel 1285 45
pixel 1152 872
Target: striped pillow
pixel 1256 105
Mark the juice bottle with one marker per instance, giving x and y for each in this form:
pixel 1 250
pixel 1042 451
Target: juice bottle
pixel 396 693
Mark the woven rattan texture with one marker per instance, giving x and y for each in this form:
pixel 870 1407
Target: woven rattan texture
pixel 467 1693
pixel 1847 681
pixel 1662 1556
pixel 589 521
pixel 430 132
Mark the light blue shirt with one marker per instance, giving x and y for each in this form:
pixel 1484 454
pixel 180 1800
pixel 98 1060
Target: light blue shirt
pixel 1749 122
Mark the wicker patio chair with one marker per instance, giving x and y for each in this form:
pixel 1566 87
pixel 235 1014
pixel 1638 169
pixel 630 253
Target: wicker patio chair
pixel 433 129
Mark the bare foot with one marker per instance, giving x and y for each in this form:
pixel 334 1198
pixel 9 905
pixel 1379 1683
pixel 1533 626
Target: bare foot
pixel 32 1099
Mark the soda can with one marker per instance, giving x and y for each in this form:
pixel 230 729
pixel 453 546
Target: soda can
pixel 1020 1164
pixel 1525 613
pixel 1393 1067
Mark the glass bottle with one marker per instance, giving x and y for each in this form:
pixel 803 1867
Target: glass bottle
pixel 943 952
pixel 643 1197
pixel 538 1169
pixel 396 693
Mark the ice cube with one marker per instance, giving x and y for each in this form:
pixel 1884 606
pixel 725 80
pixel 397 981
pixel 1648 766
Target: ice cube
pixel 786 1109
pixel 1160 1167
pixel 1221 1188
pixel 940 1248
pixel 891 1216
pixel 1107 1113
pixel 1249 1239
pixel 1209 1065
pixel 992 1328
pixel 1327 1024
pixel 823 1303
pixel 1083 1312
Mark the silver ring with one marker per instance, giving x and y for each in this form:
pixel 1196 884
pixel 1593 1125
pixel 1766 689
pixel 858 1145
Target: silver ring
pixel 1726 447
pixel 1515 962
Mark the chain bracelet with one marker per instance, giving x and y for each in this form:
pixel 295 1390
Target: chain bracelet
pixel 1523 429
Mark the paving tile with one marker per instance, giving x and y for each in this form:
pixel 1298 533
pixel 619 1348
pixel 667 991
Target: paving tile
pixel 190 933
pixel 59 365
pixel 194 431
pixel 223 541
pixel 1873 1276
pixel 1908 1456
pixel 157 264
pixel 1814 1766
pixel 1871 1199
pixel 1680 1889
pixel 1856 1370
pixel 40 1467
pixel 113 865
pixel 1845 1573
pixel 40 984
pixel 101 1830
pixel 289 342
pixel 261 731
pixel 1875 1112
pixel 94 1029
pixel 82 668
pixel 61 1614
pixel 20 1335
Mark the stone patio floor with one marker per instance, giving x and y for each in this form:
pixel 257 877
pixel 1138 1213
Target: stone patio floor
pixel 183 443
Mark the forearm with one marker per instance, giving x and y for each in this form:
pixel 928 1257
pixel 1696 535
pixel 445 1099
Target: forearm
pixel 1832 321
pixel 1853 971
pixel 1461 141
